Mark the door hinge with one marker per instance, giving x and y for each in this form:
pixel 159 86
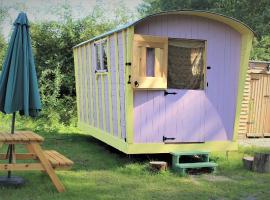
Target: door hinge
pixel 129 79
pixel 167 138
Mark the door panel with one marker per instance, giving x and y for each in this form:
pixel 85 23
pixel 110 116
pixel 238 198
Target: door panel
pixel 259 108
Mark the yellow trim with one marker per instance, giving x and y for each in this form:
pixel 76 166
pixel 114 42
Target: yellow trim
pixel 103 102
pixel 124 41
pixel 91 84
pixel 86 84
pixel 167 148
pixel 147 148
pixel 110 84
pixel 75 53
pixel 96 87
pixel 104 136
pixel 129 90
pixel 246 44
pixel 117 82
pixel 101 73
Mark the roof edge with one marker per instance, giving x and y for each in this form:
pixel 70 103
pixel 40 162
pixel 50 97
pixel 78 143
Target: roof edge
pixel 201 13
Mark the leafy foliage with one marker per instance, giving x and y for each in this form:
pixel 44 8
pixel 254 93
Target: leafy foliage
pixel 261 49
pixel 53 42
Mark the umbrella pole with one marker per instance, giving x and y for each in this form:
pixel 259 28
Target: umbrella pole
pixel 11 146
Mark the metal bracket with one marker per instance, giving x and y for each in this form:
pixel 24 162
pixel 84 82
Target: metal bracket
pixel 136 83
pixel 129 81
pixel 167 138
pixel 166 93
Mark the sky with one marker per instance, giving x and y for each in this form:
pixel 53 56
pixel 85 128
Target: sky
pixel 38 10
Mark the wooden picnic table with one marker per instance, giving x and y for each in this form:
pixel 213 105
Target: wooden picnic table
pixel 47 161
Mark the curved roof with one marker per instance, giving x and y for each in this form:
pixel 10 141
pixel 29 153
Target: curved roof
pixel 232 22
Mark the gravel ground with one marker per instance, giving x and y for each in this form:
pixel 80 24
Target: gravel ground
pixel 259 142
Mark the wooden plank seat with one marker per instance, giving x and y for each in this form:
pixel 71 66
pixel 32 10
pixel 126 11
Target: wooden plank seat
pixel 47 161
pixel 57 160
pixel 20 137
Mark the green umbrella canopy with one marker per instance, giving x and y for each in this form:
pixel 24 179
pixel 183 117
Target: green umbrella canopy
pixel 18 81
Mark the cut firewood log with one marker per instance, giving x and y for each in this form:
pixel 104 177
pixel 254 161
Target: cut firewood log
pixel 248 162
pixel 261 162
pixel 158 165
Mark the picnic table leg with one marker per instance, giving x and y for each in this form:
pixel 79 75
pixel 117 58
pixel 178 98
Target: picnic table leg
pixel 47 166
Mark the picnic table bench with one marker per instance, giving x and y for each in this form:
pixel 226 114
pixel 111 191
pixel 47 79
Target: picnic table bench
pixel 46 161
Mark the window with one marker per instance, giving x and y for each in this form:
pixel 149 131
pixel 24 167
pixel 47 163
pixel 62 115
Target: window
pixel 101 56
pixel 186 64
pixel 149 67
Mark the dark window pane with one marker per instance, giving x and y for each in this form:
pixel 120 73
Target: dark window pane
pixel 185 64
pixel 97 49
pixel 104 55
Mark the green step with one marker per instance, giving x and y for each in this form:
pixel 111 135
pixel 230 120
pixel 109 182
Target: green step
pixel 189 153
pixel 196 165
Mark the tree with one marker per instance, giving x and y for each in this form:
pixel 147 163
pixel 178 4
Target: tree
pixel 3 44
pixel 53 42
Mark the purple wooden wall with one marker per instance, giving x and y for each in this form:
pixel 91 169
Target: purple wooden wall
pixel 90 90
pixel 192 115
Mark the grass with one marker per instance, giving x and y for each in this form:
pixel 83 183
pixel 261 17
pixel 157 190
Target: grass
pixel 101 172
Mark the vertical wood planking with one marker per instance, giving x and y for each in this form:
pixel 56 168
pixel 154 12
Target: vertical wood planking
pixel 215 105
pixel 101 83
pixel 116 45
pixel 80 83
pixel 75 53
pixel 109 92
pixel 86 79
pixel 128 88
pixel 114 85
pixel 95 90
pixel 83 93
pixel 90 86
pixel 100 101
pixel 122 65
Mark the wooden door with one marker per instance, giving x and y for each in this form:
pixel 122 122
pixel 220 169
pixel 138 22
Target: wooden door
pixel 259 108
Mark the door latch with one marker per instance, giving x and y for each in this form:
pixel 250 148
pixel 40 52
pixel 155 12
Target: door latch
pixel 166 93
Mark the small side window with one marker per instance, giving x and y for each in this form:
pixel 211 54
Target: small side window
pixel 101 56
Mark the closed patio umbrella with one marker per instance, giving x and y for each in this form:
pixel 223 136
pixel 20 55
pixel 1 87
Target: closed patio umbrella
pixel 18 81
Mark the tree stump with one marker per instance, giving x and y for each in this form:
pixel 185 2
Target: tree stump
pixel 261 162
pixel 248 162
pixel 158 165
